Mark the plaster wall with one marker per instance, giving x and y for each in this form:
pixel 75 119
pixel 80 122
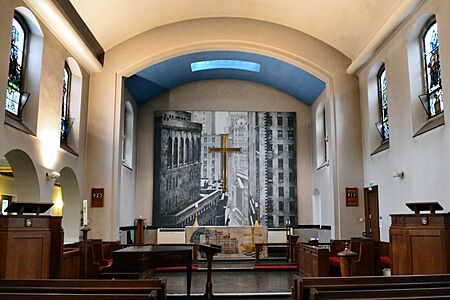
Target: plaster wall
pixel 127 210
pixel 424 158
pixel 43 146
pixel 322 175
pixel 312 55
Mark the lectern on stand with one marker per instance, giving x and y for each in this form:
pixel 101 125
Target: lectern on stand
pixel 30 245
pixel 420 242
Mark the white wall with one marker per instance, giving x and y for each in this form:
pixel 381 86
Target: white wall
pixel 424 158
pixel 323 61
pixel 127 208
pixel 43 148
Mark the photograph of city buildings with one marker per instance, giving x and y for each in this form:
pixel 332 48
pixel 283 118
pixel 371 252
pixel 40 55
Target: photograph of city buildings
pixel 228 168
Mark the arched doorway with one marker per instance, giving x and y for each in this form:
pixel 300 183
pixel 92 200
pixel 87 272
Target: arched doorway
pixel 67 203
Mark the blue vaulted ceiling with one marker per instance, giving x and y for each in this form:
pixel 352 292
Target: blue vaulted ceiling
pixel 161 77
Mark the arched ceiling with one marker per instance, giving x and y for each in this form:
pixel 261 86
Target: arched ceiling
pixel 347 25
pixel 161 77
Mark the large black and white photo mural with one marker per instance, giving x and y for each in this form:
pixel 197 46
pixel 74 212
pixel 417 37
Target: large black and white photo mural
pixel 228 168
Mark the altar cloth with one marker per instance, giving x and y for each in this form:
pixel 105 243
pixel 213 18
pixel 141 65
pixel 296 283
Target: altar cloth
pixel 236 241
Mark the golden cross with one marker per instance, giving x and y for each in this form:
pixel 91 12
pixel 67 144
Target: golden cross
pixel 253 234
pixel 224 150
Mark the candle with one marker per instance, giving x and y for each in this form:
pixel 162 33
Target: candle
pixel 85 213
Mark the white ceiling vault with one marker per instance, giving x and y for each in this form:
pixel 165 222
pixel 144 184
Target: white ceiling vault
pixel 347 25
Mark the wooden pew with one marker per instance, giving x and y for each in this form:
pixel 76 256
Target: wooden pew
pixel 396 293
pixel 82 289
pixel 303 285
pixel 313 260
pixel 70 263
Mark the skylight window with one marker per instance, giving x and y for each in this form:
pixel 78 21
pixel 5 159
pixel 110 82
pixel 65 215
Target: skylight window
pixel 225 64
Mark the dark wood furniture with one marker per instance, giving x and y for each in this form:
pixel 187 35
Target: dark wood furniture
pixel 420 242
pixel 70 263
pixel 313 260
pixel 139 261
pixel 365 263
pixel 379 287
pixel 260 246
pixel 292 240
pixel 82 289
pixel 31 246
pixel 209 251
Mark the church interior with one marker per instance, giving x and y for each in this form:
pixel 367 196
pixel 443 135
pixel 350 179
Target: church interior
pixel 287 146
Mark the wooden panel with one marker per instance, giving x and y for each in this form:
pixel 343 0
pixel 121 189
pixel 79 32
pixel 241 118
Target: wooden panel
pixel 420 243
pixel 423 246
pixel 30 264
pixel 313 260
pixel 400 262
pixel 71 264
pixel 25 247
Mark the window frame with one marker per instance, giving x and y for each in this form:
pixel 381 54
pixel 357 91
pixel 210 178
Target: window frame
pixel 426 28
pixel 385 134
pixel 65 104
pixel 26 32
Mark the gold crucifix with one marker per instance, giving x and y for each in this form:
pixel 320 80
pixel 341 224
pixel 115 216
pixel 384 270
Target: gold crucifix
pixel 224 150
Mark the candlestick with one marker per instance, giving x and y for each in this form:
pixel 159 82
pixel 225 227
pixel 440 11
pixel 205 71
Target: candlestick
pixel 85 213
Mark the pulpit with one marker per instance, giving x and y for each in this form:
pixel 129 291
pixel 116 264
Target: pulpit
pixel 420 241
pixel 31 245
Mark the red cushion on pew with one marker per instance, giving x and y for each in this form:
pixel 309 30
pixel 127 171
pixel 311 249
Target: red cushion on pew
pixel 385 261
pixel 334 261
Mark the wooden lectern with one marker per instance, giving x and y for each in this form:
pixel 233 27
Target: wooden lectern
pixel 419 242
pixel 31 245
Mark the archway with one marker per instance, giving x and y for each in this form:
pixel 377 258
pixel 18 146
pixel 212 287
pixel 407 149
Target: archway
pixel 68 204
pixel 24 175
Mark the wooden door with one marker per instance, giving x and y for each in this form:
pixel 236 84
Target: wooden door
pixel 371 213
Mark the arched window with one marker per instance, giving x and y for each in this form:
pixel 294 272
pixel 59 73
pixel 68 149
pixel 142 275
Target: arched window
pixel 321 137
pixel 432 99
pixel 65 116
pixel 175 153
pixel 188 153
pixel 192 151
pixel 15 97
pixel 383 123
pixel 169 153
pixel 197 150
pixel 181 151
pixel 128 136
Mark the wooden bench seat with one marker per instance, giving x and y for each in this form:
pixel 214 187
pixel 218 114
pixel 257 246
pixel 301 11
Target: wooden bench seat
pixel 86 289
pixel 303 286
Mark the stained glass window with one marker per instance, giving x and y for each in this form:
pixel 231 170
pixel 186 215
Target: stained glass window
pixel 383 124
pixel 16 65
pixel 432 68
pixel 65 121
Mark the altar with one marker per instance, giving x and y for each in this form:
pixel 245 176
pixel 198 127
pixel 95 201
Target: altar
pixel 236 241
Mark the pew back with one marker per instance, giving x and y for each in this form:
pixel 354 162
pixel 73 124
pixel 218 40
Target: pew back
pixel 304 285
pixel 76 289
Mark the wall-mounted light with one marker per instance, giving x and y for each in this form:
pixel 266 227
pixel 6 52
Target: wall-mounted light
pixel 52 175
pixel 398 174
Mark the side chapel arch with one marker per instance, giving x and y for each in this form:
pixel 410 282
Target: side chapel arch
pixel 25 175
